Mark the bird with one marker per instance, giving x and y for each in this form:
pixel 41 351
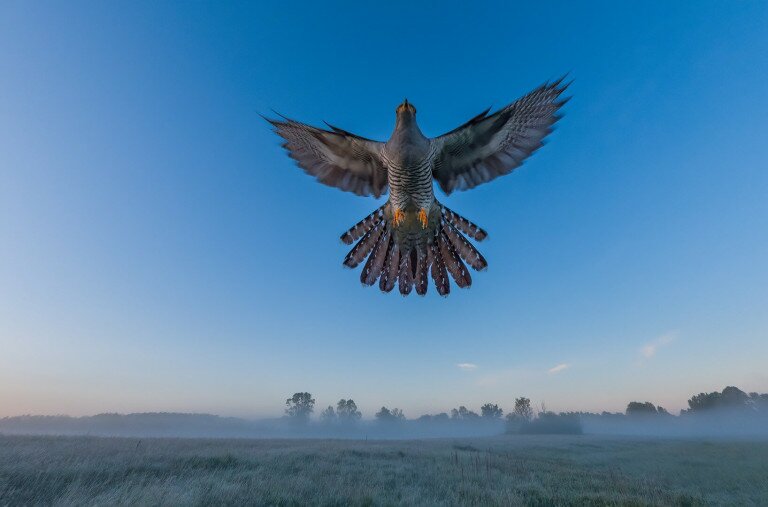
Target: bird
pixel 413 236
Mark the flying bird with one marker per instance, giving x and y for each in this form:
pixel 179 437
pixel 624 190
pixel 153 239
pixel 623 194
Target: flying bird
pixel 413 235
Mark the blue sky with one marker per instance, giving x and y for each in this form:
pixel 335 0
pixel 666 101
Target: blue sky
pixel 159 251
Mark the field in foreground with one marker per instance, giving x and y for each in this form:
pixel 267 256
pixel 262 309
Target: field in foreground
pixel 501 470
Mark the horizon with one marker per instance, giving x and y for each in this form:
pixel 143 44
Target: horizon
pixel 162 253
pixel 319 407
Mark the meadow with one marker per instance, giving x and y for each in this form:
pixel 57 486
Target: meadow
pixel 514 469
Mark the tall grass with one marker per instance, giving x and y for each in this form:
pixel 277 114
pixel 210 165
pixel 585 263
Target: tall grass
pixel 515 469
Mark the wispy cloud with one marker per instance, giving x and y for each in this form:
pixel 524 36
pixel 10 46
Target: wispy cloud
pixel 650 349
pixel 466 366
pixel 558 368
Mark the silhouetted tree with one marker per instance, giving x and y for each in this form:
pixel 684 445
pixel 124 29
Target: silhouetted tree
pixel 520 416
pixel 441 417
pixel 731 397
pixel 759 402
pixel 636 408
pixel 463 414
pixel 491 411
pixel 703 401
pixel 347 411
pixel 386 415
pixel 523 409
pixel 328 415
pixel 300 406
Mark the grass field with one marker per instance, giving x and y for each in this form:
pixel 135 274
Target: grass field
pixel 537 470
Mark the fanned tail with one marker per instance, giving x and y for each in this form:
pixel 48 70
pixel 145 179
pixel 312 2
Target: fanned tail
pixel 441 255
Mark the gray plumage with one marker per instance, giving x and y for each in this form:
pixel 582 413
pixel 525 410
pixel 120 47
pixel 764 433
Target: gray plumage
pixel 412 234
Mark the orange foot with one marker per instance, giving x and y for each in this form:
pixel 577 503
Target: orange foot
pixel 398 217
pixel 423 218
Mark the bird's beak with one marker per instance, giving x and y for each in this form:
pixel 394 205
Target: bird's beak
pixel 405 106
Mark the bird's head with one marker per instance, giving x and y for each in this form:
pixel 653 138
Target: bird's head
pixel 406 108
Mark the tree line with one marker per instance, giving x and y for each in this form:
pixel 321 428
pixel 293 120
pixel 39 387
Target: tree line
pixel 523 418
pixel 301 406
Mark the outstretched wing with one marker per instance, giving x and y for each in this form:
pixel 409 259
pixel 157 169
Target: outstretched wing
pixel 489 146
pixel 335 157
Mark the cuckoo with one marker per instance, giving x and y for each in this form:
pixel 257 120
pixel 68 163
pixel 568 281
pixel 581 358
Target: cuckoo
pixel 413 235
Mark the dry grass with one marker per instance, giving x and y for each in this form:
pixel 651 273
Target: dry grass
pixel 535 470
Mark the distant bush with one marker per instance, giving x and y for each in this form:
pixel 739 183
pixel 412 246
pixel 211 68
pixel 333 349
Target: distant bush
pixel 550 423
pixel 442 417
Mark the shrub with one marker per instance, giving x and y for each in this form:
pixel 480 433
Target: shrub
pixel 550 423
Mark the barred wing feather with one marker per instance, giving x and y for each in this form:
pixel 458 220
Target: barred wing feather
pixel 488 146
pixel 335 157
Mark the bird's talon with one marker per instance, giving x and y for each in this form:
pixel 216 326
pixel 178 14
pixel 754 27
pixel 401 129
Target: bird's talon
pixel 423 218
pixel 398 217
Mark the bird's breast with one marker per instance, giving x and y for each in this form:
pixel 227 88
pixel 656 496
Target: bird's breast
pixel 406 154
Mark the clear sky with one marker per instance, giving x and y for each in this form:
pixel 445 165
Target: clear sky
pixel 159 251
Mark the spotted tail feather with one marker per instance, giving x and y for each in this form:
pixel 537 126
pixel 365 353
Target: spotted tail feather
pixel 453 262
pixel 390 269
pixel 363 247
pixel 421 279
pixel 439 273
pixel 469 228
pixel 464 248
pixel 405 275
pixel 363 226
pixel 375 263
